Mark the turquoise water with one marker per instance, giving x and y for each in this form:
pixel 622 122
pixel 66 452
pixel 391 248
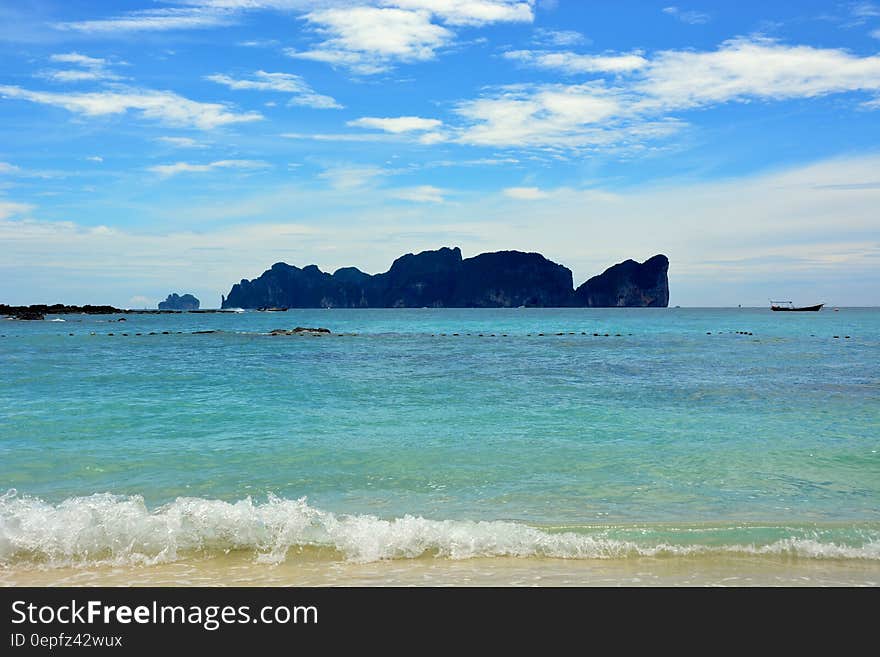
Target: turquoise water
pixel 405 442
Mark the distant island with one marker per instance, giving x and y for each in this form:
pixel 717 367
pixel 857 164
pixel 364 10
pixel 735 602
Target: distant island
pixel 443 279
pixel 175 302
pixel 40 310
pixel 438 279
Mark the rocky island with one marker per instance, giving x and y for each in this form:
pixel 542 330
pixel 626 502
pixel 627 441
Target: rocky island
pixel 627 284
pixel 175 302
pixel 443 279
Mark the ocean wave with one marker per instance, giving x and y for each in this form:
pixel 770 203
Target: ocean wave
pixel 114 529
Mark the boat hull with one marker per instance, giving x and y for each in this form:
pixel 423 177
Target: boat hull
pixel 807 309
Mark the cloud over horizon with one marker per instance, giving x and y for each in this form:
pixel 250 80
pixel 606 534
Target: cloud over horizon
pixel 761 235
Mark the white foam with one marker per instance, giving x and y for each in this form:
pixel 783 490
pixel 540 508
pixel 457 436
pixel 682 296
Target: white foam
pixel 105 528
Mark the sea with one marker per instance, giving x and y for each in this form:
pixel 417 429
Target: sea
pixel 514 446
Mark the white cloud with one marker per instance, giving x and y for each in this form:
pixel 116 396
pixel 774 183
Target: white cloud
pixel 558 38
pixel 167 170
pixel 368 39
pixel 360 63
pixel 635 105
pixel 152 20
pixel 865 10
pixel 559 116
pixel 79 60
pixel 420 194
pixel 429 138
pixel 754 68
pixel 181 142
pixel 164 106
pixel 396 125
pixel 91 68
pixel 302 93
pixel 201 14
pixel 573 63
pixel 95 158
pixel 13 170
pixel 258 43
pixel 400 128
pixel 385 32
pixel 367 36
pixel 280 5
pixel 478 162
pixel 525 193
pixel 141 301
pixel 371 39
pixel 471 12
pixel 339 136
pixel 690 17
pixel 74 75
pixel 264 81
pixel 9 209
pixel 351 177
pixel 739 69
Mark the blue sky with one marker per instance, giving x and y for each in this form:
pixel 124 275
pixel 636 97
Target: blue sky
pixel 180 145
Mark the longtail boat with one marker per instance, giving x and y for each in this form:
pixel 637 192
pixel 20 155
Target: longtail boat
pixel 788 306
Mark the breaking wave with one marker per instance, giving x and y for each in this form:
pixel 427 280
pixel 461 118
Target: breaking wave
pixel 114 529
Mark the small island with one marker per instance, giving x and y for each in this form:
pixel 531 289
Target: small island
pixel 175 302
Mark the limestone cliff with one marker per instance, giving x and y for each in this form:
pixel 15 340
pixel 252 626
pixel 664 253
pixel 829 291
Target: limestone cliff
pixel 443 279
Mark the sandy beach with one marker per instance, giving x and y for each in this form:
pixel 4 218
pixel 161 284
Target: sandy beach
pixel 241 570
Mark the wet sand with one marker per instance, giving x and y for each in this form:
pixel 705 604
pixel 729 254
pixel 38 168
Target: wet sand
pixel 241 570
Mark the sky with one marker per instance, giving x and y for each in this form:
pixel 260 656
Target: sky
pixel 150 147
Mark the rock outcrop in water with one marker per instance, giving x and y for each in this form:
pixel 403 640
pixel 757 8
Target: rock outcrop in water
pixel 38 311
pixel 175 302
pixel 443 279
pixel 301 330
